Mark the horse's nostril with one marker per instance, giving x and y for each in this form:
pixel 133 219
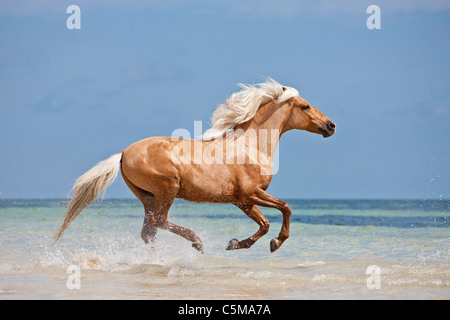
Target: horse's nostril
pixel 331 126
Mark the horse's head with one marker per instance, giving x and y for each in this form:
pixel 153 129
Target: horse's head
pixel 305 117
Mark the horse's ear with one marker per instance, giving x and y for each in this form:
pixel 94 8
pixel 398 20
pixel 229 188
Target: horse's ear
pixel 284 89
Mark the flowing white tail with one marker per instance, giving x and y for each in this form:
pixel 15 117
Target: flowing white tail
pixel 88 187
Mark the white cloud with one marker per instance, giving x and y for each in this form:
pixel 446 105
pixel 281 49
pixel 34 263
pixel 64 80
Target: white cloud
pixel 440 110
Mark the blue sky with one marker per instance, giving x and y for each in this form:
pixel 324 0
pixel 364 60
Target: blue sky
pixel 70 98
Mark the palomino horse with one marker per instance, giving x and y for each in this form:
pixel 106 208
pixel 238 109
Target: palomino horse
pixel 233 163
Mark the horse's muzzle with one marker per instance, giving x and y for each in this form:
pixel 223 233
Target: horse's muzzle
pixel 328 130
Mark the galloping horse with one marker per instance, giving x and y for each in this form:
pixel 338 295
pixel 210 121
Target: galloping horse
pixel 232 163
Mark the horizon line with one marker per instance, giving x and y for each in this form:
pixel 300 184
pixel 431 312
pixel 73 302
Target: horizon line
pixel 284 198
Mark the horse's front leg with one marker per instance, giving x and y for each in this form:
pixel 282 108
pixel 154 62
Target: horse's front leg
pixel 253 212
pixel 264 199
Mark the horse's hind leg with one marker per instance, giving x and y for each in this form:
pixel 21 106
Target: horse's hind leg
pixel 253 212
pixel 148 232
pixel 157 204
pixel 159 220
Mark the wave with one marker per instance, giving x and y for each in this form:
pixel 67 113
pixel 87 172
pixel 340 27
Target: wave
pixel 377 221
pixel 349 220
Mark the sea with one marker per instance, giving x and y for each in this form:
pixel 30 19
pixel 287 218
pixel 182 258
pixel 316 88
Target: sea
pixel 337 250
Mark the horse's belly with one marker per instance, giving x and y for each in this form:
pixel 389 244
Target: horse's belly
pixel 208 184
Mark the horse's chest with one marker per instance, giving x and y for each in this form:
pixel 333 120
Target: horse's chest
pixel 265 181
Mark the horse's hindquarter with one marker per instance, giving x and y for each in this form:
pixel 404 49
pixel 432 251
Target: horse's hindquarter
pixel 147 164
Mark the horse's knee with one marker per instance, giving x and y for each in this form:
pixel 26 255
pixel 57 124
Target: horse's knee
pixel 286 209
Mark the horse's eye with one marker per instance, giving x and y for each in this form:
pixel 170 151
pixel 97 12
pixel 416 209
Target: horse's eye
pixel 305 108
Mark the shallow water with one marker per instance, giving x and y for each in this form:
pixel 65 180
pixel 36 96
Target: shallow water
pixel 332 244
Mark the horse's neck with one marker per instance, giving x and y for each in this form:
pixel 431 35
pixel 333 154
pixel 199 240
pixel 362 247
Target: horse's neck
pixel 268 125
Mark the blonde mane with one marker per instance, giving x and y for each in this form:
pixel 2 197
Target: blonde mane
pixel 242 106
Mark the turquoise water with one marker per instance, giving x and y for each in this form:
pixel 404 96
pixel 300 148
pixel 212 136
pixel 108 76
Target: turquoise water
pixel 332 244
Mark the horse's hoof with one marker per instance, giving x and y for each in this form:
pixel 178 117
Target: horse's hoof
pixel 274 244
pixel 233 244
pixel 198 246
